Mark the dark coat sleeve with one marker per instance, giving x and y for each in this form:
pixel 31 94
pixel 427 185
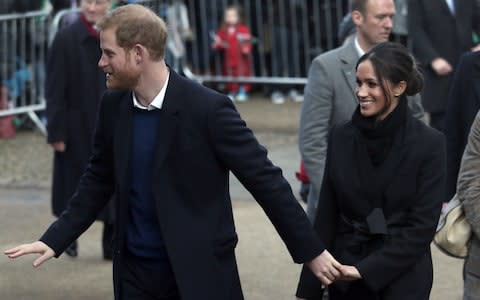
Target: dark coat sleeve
pixel 93 192
pixel 309 287
pixel 238 150
pixel 55 89
pixel 405 248
pixel 422 44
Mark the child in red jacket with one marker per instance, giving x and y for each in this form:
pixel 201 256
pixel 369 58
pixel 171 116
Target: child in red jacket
pixel 235 40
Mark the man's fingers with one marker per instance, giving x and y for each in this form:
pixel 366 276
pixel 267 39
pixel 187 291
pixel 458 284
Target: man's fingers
pixel 11 251
pixel 335 272
pixel 335 268
pixel 18 251
pixel 42 259
pixel 336 264
pixel 326 268
pixel 329 275
pixel 35 247
pixel 325 280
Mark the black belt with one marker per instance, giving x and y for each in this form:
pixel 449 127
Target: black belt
pixel 367 235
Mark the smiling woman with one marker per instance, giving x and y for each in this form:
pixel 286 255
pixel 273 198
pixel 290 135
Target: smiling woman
pixel 382 189
pixel 371 95
pixel 382 78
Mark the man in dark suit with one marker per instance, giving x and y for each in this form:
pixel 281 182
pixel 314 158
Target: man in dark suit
pixel 463 105
pixel 440 31
pixel 165 146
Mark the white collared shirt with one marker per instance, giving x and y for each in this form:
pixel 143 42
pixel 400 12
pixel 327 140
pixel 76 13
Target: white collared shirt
pixel 359 49
pixel 157 102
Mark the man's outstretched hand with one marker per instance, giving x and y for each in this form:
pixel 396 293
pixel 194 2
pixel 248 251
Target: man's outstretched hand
pixel 325 268
pixel 37 247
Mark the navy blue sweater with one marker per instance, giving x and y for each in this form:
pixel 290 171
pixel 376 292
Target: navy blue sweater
pixel 144 237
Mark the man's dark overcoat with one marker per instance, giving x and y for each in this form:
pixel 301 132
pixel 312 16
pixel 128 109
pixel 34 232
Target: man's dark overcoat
pixel 74 88
pixel 436 32
pixel 201 138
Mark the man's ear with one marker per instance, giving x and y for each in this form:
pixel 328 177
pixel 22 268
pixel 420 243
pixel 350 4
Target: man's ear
pixel 357 17
pixel 139 53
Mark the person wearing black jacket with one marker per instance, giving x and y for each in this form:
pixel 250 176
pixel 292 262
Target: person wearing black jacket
pixel 441 31
pixel 72 107
pixel 382 189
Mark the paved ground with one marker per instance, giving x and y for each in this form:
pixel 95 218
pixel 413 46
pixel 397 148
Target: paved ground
pixel 266 270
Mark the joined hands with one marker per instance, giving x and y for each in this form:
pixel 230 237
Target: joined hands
pixel 327 269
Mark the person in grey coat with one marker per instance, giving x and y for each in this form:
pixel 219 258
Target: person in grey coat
pixel 468 191
pixel 329 93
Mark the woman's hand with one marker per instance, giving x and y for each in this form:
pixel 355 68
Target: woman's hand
pixel 349 273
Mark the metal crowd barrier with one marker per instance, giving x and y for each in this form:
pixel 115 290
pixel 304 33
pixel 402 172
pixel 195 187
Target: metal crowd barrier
pixel 286 36
pixel 23 45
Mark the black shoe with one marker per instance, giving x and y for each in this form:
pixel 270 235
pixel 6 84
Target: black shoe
pixel 72 250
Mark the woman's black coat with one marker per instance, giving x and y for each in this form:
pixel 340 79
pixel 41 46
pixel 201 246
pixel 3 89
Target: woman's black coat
pixel 396 265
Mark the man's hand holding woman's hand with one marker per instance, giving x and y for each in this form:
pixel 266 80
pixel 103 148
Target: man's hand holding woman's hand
pixel 327 269
pixel 37 247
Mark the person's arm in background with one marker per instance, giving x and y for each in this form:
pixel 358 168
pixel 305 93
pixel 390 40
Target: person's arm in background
pixel 219 40
pixel 314 127
pixel 422 45
pixel 245 38
pixel 468 188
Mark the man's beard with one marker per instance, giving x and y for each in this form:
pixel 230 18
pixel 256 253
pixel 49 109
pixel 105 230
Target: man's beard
pixel 123 81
